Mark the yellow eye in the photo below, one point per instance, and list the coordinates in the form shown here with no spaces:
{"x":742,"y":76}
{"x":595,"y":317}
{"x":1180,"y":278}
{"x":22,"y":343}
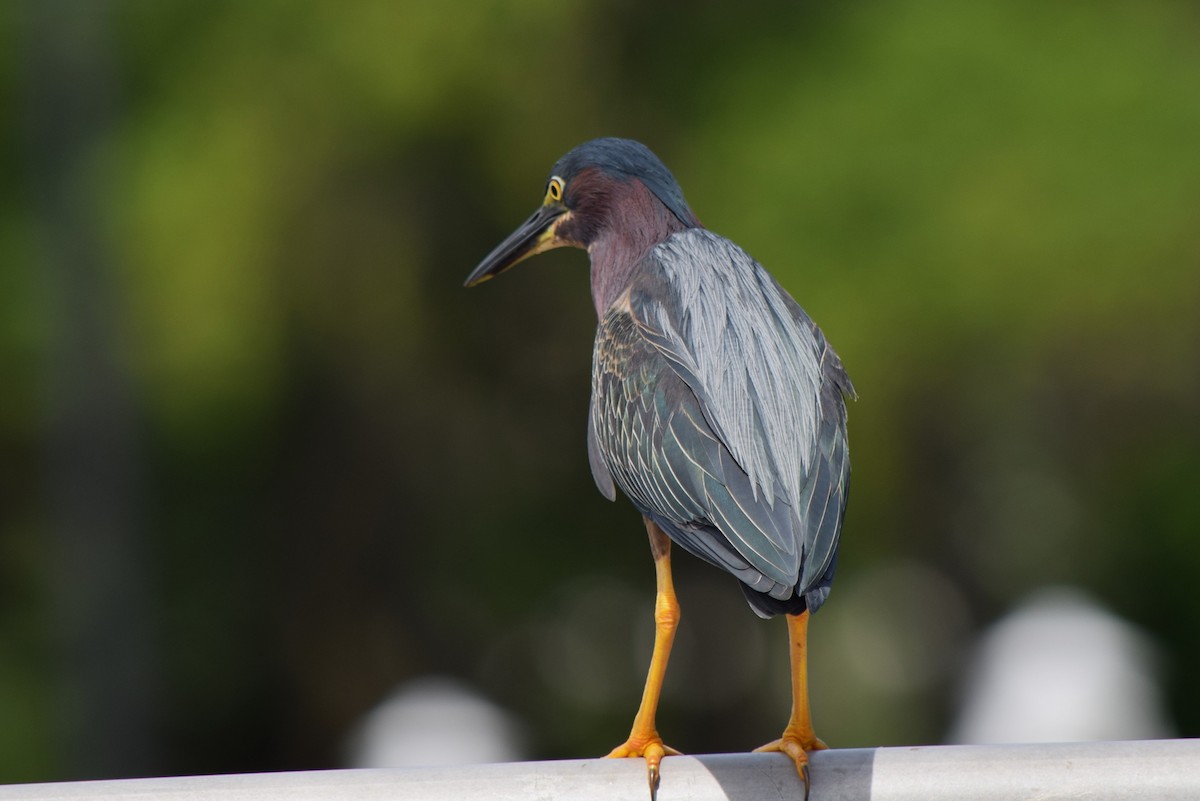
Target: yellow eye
{"x":554,"y":191}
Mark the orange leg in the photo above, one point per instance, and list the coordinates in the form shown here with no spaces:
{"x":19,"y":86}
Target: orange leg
{"x":643,"y":737}
{"x":798,"y":738}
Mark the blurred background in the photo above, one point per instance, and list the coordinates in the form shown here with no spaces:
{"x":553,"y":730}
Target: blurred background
{"x":265,"y":465}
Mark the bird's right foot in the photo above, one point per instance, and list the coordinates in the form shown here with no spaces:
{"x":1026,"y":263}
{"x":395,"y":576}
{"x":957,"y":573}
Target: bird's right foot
{"x":797,"y":748}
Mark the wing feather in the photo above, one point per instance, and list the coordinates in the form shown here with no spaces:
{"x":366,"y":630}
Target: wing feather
{"x":718,"y":409}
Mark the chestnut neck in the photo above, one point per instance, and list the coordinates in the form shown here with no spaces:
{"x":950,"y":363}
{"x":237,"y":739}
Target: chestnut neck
{"x":634,"y":221}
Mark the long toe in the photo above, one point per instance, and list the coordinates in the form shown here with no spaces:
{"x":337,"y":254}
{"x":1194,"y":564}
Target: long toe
{"x":796,"y":749}
{"x":652,"y":749}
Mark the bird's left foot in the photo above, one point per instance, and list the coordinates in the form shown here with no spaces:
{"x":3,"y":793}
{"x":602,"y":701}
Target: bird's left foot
{"x":652,"y":749}
{"x":798,"y":749}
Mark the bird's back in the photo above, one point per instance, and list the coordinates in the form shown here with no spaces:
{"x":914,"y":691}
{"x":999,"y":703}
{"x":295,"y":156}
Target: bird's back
{"x":718,"y":409}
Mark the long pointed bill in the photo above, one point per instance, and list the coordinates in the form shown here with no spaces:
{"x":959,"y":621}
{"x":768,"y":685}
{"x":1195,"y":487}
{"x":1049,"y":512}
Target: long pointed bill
{"x":537,"y":234}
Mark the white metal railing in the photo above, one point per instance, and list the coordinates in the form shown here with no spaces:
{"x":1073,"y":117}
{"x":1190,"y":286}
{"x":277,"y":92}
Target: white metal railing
{"x":1154,"y":770}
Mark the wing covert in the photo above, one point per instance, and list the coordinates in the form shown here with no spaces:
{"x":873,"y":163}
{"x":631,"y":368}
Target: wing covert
{"x":718,"y":409}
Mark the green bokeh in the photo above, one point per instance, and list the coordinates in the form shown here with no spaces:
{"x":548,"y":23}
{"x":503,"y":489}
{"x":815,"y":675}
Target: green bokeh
{"x":337,"y":470}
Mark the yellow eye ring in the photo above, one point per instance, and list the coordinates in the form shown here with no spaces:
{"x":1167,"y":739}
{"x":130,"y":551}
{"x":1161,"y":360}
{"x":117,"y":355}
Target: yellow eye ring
{"x":554,"y":190}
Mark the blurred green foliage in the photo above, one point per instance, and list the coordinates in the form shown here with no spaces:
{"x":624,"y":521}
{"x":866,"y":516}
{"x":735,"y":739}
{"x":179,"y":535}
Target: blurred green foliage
{"x":347,"y":472}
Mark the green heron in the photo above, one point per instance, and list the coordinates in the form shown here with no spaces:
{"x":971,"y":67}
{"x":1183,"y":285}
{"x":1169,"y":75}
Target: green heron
{"x":718,"y":407}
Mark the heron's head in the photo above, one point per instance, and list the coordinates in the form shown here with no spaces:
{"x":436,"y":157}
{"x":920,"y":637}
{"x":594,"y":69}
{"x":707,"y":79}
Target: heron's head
{"x":603,"y":186}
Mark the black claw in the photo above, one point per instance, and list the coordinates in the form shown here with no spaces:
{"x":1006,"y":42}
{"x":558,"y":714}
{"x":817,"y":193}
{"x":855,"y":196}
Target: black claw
{"x":807,"y":783}
{"x":653,"y":775}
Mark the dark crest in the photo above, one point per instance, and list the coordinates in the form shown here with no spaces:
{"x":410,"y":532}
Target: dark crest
{"x":625,"y":159}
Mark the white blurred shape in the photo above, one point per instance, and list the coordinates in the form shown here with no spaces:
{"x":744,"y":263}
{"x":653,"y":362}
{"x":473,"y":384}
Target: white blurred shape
{"x":1059,"y":669}
{"x":435,"y":721}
